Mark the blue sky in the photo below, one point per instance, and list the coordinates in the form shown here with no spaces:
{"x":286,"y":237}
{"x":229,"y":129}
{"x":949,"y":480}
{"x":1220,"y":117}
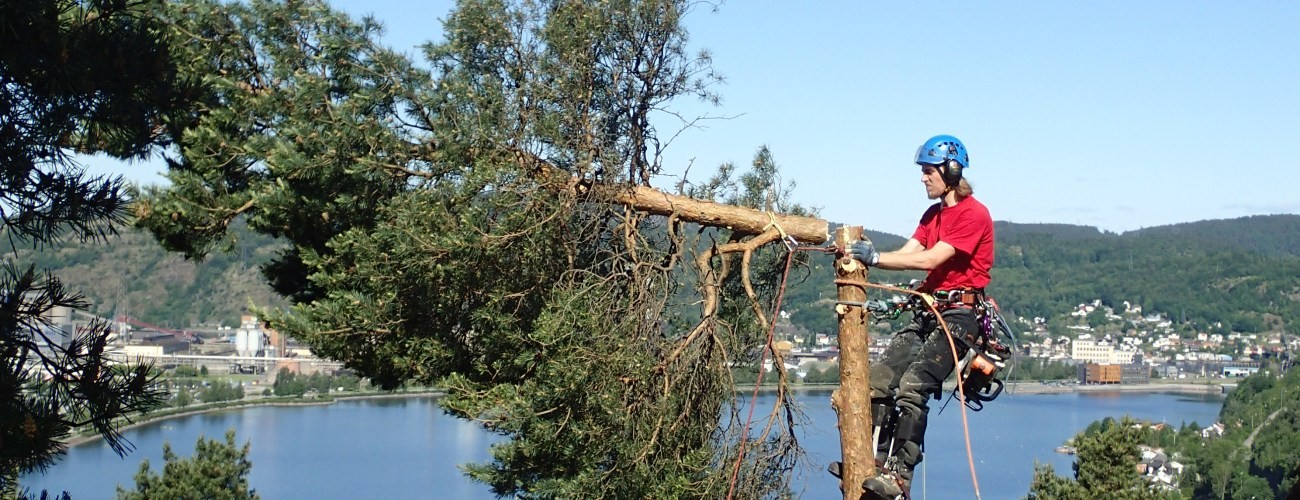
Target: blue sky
{"x":1113,"y":114}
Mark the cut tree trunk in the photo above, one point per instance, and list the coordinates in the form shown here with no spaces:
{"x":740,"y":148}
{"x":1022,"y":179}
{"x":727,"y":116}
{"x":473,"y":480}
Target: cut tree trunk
{"x":852,"y":401}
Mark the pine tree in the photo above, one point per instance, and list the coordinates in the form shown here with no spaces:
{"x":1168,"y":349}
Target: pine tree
{"x":453,"y":226}
{"x":217,"y":471}
{"x":1105,"y":467}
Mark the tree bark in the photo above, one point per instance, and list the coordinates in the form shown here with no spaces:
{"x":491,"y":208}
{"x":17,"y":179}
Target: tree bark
{"x":739,"y":219}
{"x":650,"y":200}
{"x":852,"y":401}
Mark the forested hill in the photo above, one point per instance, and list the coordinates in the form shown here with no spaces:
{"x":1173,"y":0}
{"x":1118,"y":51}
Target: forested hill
{"x":1264,"y":234}
{"x":1243,"y":273}
{"x":1063,"y":232}
{"x":1238,"y":274}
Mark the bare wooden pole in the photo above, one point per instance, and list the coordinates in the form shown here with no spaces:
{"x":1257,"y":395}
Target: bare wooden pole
{"x":852,"y":401}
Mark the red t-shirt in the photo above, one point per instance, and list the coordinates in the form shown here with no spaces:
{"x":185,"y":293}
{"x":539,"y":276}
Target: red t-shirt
{"x":968,"y":227}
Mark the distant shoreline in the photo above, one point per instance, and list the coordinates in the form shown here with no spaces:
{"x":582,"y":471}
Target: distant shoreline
{"x":1011,"y":388}
{"x":242,"y":404}
{"x":1041,"y":388}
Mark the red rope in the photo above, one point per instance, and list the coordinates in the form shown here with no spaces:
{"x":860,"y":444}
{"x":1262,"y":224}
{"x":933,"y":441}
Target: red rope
{"x":753,"y":399}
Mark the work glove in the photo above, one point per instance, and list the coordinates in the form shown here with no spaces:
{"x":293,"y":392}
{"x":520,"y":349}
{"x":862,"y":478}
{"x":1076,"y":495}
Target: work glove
{"x":865,"y":252}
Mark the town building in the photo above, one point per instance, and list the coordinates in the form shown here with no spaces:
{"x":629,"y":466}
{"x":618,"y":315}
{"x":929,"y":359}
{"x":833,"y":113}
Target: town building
{"x":1087,"y":349}
{"x":1130,"y":373}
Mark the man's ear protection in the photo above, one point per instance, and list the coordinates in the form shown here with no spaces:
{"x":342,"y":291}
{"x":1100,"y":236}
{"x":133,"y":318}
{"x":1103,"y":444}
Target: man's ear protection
{"x":951,"y":170}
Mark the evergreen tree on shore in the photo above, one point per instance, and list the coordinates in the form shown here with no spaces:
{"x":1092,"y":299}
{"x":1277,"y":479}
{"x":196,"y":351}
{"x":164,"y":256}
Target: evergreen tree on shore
{"x":217,"y":471}
{"x":1253,"y":458}
{"x":1105,"y":467}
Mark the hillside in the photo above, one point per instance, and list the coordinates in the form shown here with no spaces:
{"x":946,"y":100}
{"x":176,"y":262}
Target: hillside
{"x":1263,"y":234}
{"x":1241,"y":274}
{"x":1223,"y":274}
{"x":131,"y":274}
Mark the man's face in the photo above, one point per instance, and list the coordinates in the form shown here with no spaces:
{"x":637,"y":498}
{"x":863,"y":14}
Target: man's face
{"x":933,"y":180}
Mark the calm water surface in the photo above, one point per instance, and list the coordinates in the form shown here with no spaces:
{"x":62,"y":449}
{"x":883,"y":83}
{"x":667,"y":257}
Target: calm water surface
{"x":1007,"y":438}
{"x":407,"y":447}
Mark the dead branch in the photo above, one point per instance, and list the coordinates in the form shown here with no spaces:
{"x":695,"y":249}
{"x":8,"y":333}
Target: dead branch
{"x":738,"y":219}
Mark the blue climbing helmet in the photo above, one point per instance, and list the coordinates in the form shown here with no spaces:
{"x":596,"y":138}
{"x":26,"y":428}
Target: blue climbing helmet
{"x":946,"y":153}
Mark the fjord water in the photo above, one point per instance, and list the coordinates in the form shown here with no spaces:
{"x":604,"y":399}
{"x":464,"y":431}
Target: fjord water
{"x":408,"y":448}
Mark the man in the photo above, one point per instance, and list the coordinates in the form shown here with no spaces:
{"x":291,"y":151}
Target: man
{"x":954,"y":243}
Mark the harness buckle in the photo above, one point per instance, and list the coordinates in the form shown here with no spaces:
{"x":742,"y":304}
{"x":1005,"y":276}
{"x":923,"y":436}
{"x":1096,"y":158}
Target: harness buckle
{"x":959,"y":297}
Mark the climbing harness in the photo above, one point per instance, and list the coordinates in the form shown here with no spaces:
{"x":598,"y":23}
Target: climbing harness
{"x":925,"y":302}
{"x":987,"y":353}
{"x":891,"y":308}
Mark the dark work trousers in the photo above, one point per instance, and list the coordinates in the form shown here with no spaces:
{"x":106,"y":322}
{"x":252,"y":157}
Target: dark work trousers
{"x":912,"y":370}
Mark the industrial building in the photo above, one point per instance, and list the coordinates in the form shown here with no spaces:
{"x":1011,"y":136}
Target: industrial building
{"x":1094,"y":373}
